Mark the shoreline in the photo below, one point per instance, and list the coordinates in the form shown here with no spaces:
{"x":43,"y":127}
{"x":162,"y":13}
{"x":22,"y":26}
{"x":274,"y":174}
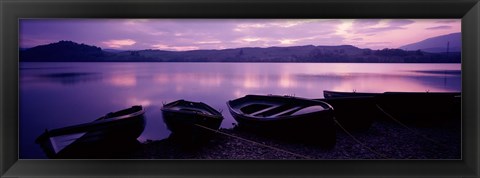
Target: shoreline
{"x":383,"y":140}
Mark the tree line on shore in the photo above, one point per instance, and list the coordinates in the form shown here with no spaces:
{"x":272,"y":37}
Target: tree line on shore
{"x":68,"y":51}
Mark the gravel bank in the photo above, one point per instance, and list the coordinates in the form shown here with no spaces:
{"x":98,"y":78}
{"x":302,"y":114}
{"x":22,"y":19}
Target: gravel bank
{"x":383,"y":140}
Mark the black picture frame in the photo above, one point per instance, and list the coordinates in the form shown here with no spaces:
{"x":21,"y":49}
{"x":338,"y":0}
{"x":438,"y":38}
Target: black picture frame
{"x":11,"y":11}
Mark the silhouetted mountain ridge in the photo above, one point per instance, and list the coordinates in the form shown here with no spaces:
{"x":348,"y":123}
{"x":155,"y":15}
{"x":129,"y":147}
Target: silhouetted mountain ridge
{"x":439,"y":44}
{"x":62,"y":51}
{"x":70,"y":51}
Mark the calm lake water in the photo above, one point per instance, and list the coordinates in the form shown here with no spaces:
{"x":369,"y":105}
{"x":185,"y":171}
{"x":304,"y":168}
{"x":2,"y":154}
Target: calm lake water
{"x":54,"y":95}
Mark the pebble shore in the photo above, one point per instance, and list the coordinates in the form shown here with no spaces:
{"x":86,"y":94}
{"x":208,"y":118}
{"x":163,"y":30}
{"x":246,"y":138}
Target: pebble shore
{"x":383,"y":140}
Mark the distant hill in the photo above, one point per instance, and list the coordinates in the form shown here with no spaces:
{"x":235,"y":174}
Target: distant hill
{"x":438,"y":44}
{"x":62,"y":51}
{"x":114,"y":50}
{"x":66,"y":51}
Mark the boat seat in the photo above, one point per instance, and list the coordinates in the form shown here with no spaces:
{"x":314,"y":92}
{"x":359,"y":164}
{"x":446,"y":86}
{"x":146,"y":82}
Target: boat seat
{"x":286,"y":111}
{"x":265,"y":110}
{"x":195,"y":110}
{"x":309,"y":109}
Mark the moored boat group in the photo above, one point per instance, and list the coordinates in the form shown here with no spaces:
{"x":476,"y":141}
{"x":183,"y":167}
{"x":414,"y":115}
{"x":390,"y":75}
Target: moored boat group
{"x":306,"y":120}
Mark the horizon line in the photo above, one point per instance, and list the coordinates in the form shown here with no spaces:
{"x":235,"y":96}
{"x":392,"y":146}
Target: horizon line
{"x":103,"y":49}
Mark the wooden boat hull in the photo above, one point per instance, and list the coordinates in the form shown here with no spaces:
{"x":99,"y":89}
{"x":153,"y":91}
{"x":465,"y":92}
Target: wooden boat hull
{"x":184,"y":118}
{"x":80,"y":141}
{"x":336,"y":94}
{"x":252,"y":112}
{"x":422,"y":109}
{"x":354,"y":113}
{"x":415,"y":108}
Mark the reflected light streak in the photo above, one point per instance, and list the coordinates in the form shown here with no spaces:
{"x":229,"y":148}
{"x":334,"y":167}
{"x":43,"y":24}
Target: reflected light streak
{"x":124,"y":80}
{"x":286,"y":81}
{"x":238,"y":93}
{"x":179,"y":89}
{"x":161,"y":78}
{"x":210,"y":80}
{"x":136,"y":101}
{"x":213,"y":80}
{"x":251,"y":81}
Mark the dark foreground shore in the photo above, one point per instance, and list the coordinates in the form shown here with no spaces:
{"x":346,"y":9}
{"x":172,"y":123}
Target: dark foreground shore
{"x":383,"y":140}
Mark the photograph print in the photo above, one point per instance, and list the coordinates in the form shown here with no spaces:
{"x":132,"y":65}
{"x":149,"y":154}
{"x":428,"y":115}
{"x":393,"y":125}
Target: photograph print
{"x":240,"y":89}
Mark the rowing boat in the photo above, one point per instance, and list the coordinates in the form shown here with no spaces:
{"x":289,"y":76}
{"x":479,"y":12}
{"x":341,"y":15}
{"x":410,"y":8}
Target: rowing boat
{"x":286,"y":116}
{"x":187,"y":120}
{"x":114,"y":128}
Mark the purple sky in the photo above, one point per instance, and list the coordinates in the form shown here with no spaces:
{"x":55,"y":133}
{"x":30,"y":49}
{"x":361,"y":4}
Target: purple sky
{"x":191,"y":34}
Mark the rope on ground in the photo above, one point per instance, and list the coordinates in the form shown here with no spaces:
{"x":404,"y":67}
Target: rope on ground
{"x":410,"y":129}
{"x":254,"y":142}
{"x":359,"y":142}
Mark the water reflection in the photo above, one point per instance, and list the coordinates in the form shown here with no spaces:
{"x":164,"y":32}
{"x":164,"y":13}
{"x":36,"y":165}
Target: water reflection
{"x":206,"y":80}
{"x":253,"y":81}
{"x":161,"y":78}
{"x":70,"y":78}
{"x":123,"y":80}
{"x":286,"y":81}
{"x":76,"y":92}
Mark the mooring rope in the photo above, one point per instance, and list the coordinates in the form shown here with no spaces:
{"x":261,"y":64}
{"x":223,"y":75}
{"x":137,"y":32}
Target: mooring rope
{"x":411,"y":130}
{"x":254,"y":142}
{"x":359,"y":142}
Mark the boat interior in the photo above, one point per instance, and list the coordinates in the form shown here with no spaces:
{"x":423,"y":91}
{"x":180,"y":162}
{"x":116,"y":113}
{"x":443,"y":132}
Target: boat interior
{"x":272,"y":110}
{"x":191,"y":107}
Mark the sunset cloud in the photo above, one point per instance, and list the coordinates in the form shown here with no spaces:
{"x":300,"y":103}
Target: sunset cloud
{"x":370,"y":26}
{"x":288,"y":41}
{"x":192,"y":34}
{"x":174,"y":48}
{"x":447,"y":21}
{"x":274,"y":23}
{"x":208,"y":42}
{"x":439,"y":27}
{"x":119,"y":43}
{"x":251,"y":39}
{"x":244,"y":27}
